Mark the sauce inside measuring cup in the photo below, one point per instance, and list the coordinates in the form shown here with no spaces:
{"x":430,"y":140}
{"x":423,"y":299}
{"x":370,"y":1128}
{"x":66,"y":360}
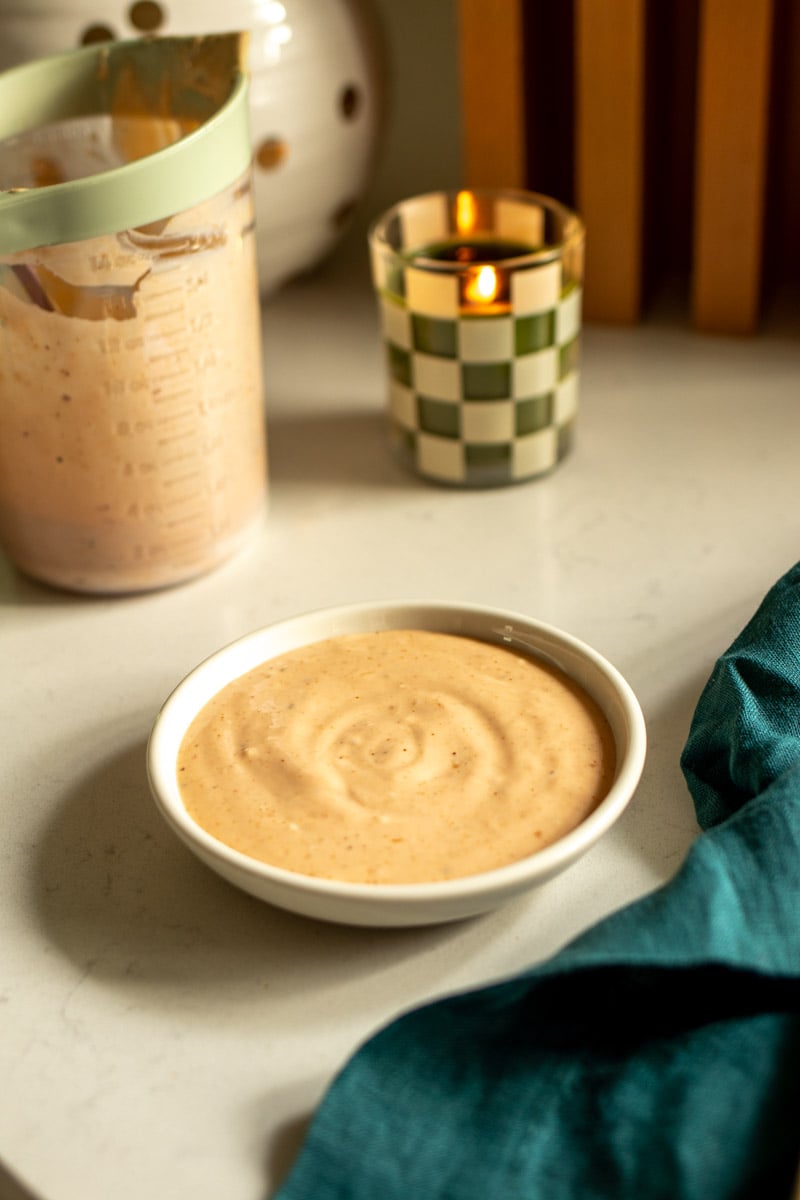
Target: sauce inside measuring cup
{"x":132,"y":441}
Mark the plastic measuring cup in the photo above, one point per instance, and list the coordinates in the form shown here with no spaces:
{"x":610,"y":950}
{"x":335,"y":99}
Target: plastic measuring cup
{"x":132,"y":431}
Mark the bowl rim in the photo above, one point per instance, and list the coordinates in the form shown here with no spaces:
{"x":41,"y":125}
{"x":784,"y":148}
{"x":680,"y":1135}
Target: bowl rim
{"x":163,"y":745}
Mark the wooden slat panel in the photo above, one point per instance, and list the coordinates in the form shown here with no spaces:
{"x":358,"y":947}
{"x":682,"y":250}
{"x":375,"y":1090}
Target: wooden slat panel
{"x":549,"y":38}
{"x":491,"y":57}
{"x":732,"y":132}
{"x":609,"y":153}
{"x":670,"y":115}
{"x":783,"y":188}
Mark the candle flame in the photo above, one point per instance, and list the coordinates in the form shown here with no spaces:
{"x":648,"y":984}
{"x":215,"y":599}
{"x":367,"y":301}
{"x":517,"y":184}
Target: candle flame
{"x":482,"y":286}
{"x":466,"y":213}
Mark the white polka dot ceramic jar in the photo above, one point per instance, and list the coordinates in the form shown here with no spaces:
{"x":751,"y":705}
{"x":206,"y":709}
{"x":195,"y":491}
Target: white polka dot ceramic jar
{"x":315,"y":99}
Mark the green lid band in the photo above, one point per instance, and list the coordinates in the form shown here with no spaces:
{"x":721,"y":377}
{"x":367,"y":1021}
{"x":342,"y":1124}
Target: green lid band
{"x":198,"y":81}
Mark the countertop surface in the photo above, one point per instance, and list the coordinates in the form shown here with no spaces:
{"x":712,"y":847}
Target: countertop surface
{"x":163,"y":1034}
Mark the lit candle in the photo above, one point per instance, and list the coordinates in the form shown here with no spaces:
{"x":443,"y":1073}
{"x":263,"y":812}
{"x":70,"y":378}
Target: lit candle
{"x":479,"y":295}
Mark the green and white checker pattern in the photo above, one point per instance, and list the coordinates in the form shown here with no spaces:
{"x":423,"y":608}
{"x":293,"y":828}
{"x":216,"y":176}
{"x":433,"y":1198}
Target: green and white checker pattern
{"x":478,"y":400}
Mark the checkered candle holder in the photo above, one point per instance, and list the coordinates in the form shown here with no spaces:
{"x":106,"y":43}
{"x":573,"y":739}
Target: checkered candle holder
{"x":480,"y":302}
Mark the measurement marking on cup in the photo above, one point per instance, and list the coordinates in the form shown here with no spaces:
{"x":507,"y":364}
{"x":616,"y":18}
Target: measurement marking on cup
{"x":159,"y":314}
{"x":165,"y":417}
{"x":179,"y":479}
{"x":170,"y":397}
{"x":178,"y":346}
{"x":174,"y":289}
{"x":177,"y":501}
{"x":183,"y":414}
{"x":173,"y":378}
{"x":186,"y":541}
{"x":167,"y":356}
{"x":190,"y":455}
{"x":176,"y":333}
{"x":176,"y":437}
{"x":176,"y":330}
{"x":189,"y":519}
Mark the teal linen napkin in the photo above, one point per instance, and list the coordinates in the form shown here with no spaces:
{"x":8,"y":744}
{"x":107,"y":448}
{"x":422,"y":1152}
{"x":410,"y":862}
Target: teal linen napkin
{"x":657,"y":1055}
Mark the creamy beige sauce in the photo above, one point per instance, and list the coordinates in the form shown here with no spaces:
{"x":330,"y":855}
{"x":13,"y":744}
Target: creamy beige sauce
{"x":396,"y":757}
{"x":132,"y":441}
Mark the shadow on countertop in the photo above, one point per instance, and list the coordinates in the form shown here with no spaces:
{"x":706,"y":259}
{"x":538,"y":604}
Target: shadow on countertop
{"x":118,"y":894}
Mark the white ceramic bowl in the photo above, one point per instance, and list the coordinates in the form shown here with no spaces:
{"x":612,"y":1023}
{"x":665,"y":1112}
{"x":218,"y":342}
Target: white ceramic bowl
{"x":397,"y":904}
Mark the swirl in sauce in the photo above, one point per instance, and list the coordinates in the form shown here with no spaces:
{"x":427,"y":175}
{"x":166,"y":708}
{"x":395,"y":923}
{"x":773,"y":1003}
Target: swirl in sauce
{"x":401,"y":756}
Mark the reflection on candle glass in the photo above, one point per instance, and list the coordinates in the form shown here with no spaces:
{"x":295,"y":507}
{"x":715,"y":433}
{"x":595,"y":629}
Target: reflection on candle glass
{"x":465,"y":212}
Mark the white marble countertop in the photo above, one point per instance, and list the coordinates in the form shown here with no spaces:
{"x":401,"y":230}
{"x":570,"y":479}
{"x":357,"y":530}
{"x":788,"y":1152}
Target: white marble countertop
{"x":164,"y":1035}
